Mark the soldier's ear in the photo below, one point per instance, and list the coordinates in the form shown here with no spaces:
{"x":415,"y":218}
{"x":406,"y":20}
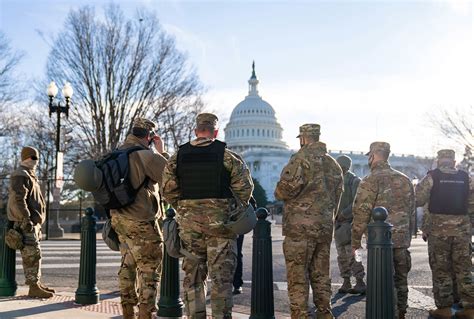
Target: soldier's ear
{"x":215,"y":133}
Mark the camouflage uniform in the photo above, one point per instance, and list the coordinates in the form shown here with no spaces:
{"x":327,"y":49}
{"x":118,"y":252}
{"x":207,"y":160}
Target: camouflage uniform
{"x":389,"y":188}
{"x":137,"y":226}
{"x":27,"y":209}
{"x":449,"y":248}
{"x":345,"y":259}
{"x":310,"y":186}
{"x":204,"y":235}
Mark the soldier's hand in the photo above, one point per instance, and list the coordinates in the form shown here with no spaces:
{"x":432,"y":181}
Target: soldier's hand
{"x":27,"y":225}
{"x":158,"y":143}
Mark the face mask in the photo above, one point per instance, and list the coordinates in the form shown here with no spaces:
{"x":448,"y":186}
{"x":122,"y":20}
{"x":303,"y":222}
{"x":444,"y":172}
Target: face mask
{"x":30,"y":163}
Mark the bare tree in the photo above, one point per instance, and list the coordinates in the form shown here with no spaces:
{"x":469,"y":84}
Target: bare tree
{"x":456,"y":125}
{"x":9,"y":59}
{"x":120,"y":69}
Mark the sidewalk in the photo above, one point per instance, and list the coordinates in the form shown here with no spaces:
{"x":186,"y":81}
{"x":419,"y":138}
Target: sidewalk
{"x":62,"y":306}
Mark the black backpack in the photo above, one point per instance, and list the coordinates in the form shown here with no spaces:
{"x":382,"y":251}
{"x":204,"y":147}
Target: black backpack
{"x":117,"y":190}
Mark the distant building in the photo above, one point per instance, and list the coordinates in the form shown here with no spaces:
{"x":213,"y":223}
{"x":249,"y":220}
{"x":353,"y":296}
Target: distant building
{"x":254,"y":132}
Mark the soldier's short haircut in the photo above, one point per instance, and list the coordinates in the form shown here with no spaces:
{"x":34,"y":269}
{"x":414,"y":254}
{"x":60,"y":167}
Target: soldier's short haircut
{"x":140,"y":132}
{"x":205,"y":128}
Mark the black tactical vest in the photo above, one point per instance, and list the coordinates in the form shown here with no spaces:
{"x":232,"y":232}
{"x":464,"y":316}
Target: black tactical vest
{"x":450,"y":193}
{"x":201,"y":172}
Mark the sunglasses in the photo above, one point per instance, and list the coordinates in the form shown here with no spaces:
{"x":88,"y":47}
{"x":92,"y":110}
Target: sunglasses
{"x":34,"y":158}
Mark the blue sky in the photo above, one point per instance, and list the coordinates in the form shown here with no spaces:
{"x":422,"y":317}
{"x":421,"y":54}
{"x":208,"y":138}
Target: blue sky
{"x":364,"y":70}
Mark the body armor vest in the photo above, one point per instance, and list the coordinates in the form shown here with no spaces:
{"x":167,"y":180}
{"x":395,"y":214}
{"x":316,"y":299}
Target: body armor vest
{"x":450,"y":193}
{"x":201,"y":172}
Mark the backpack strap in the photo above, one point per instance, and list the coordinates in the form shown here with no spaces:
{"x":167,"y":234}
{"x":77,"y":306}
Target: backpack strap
{"x":130,"y":151}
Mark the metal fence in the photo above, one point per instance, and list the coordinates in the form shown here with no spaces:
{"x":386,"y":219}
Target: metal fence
{"x":63,"y":209}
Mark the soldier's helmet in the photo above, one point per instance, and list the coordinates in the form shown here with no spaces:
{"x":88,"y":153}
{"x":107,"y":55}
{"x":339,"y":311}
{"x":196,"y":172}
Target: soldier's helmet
{"x":310,"y":130}
{"x":344,"y":161}
{"x":87,"y":176}
{"x":242,"y":220}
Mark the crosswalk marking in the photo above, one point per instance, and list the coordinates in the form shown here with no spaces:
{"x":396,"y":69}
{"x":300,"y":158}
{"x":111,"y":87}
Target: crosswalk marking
{"x":66,"y":254}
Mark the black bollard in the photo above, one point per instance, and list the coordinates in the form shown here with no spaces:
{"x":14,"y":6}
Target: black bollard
{"x":170,"y":304}
{"x":380,"y":287}
{"x":262,"y":269}
{"x":7,"y":260}
{"x":87,"y":292}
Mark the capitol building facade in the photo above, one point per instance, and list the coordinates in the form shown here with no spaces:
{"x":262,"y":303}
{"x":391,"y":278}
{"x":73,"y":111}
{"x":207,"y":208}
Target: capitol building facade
{"x":254,"y":132}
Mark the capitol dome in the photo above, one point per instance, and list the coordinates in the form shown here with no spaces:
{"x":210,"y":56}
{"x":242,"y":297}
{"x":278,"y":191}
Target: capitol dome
{"x":253,"y":123}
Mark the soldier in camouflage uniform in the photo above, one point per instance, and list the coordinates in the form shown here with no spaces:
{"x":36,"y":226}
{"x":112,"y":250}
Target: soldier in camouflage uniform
{"x":389,"y":188}
{"x":310,"y":187}
{"x":447,"y":192}
{"x":137,"y":225}
{"x":27,"y":209}
{"x":200,"y":181}
{"x":342,"y":232}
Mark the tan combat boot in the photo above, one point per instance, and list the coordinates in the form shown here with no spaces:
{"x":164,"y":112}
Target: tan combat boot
{"x":467,"y":313}
{"x":36,"y":292}
{"x":359,"y":288}
{"x":144,"y":312}
{"x":44,"y":287}
{"x":346,"y":286}
{"x":128,"y":311}
{"x":441,"y":313}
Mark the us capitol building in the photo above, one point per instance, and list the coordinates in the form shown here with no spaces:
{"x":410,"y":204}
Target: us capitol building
{"x":254,"y":132}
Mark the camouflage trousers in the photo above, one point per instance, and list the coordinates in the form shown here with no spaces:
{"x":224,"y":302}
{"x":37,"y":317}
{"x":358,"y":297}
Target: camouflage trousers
{"x":347,"y":264}
{"x":30,"y":253}
{"x":307,"y":263}
{"x":450,"y":262}
{"x":215,"y":255}
{"x":401,"y":265}
{"x":142,"y":253}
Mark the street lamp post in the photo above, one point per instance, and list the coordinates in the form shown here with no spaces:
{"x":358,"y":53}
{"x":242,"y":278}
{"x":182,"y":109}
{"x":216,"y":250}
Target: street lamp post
{"x":56,"y":230}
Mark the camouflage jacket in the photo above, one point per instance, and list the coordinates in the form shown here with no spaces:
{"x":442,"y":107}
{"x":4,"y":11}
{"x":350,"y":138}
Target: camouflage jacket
{"x":443,"y":224}
{"x":310,"y":186}
{"x":207,"y":215}
{"x":389,"y":188}
{"x":25,"y":200}
{"x":143,"y":164}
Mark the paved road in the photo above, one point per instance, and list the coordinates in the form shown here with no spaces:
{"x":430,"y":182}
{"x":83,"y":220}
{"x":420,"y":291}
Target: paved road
{"x":61,"y":268}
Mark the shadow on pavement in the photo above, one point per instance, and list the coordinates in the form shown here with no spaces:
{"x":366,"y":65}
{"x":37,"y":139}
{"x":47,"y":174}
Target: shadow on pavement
{"x":343,"y":302}
{"x":109,"y":295}
{"x":37,"y":310}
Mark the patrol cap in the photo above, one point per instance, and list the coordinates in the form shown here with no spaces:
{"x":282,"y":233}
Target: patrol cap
{"x":143,"y":123}
{"x":310,"y":130}
{"x":344,"y":161}
{"x":446,"y":154}
{"x":207,"y":119}
{"x":28,"y":152}
{"x":379,"y":146}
